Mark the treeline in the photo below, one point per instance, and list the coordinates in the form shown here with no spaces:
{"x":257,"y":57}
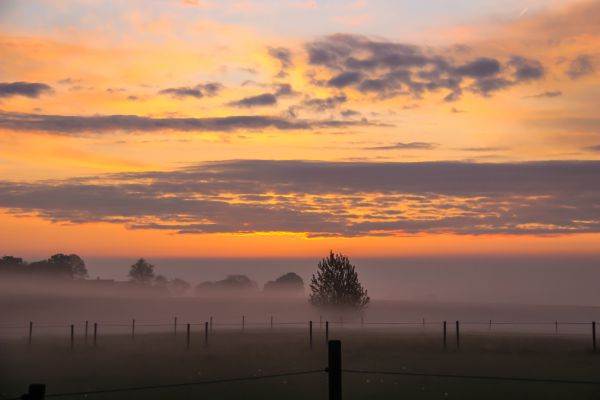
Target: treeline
{"x":64,"y":266}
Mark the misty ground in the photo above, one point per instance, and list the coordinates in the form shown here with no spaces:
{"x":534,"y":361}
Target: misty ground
{"x":119,"y":361}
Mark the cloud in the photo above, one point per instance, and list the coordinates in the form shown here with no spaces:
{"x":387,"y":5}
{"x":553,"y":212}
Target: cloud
{"x":328,"y":198}
{"x":580,"y":67}
{"x":324,"y":104}
{"x":27,"y":89}
{"x":406,"y":146}
{"x":265,"y":99}
{"x":595,"y":148}
{"x":79,"y":125}
{"x":388,"y":68}
{"x":206,"y":89}
{"x":548,"y":94}
{"x":284,"y":55}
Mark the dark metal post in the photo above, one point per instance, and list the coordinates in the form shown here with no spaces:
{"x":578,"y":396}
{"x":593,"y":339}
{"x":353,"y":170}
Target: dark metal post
{"x":310,"y":334}
{"x":72,"y":336}
{"x":30,"y":331}
{"x":132,"y":329}
{"x":86,"y":332}
{"x":327,"y":331}
{"x":594,"y":335}
{"x":206,"y":334}
{"x":334,"y":370}
{"x":457,"y":335}
{"x":95,"y":332}
{"x":444,"y":335}
{"x":556,"y":327}
{"x":188,"y":336}
{"x":36,"y":391}
{"x":423,"y":322}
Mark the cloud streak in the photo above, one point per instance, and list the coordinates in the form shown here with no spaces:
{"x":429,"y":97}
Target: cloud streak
{"x":26,"y":89}
{"x":328,"y":198}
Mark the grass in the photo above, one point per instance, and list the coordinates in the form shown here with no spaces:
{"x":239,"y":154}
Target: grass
{"x":162,"y":358}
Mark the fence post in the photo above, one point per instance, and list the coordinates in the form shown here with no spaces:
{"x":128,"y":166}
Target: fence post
{"x":423,"y":323}
{"x":594,"y":335}
{"x":175,"y":326}
{"x":72,"y":336}
{"x":206,"y":334}
{"x":457,"y":335}
{"x":188,"y":337}
{"x":132,"y":329}
{"x":490,"y":327}
{"x":334,"y":369}
{"x":37,"y":391}
{"x":243,"y":322}
{"x":30,"y":331}
{"x":310,"y":334}
{"x":444,"y":323}
{"x":95,"y":332}
{"x":327,"y":331}
{"x":85,"y":340}
{"x":271,"y":322}
{"x":556,"y":327}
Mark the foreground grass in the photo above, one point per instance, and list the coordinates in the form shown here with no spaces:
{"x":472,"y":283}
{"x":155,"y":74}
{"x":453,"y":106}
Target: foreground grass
{"x":119,"y":361}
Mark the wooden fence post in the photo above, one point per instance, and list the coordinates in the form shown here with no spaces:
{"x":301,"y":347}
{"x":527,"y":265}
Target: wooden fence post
{"x":188,"y":336}
{"x":556,"y":327}
{"x":243,"y":322}
{"x":72,"y":336}
{"x":85,"y":340}
{"x":310,"y":334}
{"x":334,"y":369}
{"x":327,"y":331}
{"x":132,"y":329}
{"x":423,"y":322}
{"x":175,"y":326}
{"x":95,"y":333}
{"x":490,"y":326}
{"x":30,"y":331}
{"x":457,"y":335}
{"x":206,"y":334}
{"x":594,"y":335}
{"x":37,"y":391}
{"x":445,"y":342}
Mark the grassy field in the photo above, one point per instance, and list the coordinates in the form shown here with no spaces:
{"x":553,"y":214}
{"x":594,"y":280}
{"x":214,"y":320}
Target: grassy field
{"x":119,"y":361}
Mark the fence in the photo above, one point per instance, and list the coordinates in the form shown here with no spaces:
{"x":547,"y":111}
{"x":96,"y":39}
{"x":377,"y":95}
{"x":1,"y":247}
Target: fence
{"x":334,"y":370}
{"x":585,"y":329}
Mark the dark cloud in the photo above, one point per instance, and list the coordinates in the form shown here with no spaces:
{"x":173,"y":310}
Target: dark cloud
{"x":323,"y":104}
{"x":392,"y":69}
{"x":593,"y":148}
{"x":581,"y":66}
{"x":328,"y":198}
{"x":345,"y":79}
{"x":549,"y":94}
{"x":265,"y":99}
{"x":405,"y":146}
{"x":79,"y":125}
{"x":204,"y":89}
{"x":284,"y":55}
{"x":27,"y":89}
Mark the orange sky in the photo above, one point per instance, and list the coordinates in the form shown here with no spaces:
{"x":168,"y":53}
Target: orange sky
{"x":527,"y":91}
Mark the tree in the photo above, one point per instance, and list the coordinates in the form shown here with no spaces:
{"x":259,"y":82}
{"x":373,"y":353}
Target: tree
{"x":72,"y":263}
{"x":289,"y":283}
{"x":12,"y":264}
{"x":142,"y":272}
{"x":160,"y":281}
{"x":336,"y":284}
{"x":179,"y":286}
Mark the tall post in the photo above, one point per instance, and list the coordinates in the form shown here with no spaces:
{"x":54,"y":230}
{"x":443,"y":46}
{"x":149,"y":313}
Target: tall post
{"x":445,"y":342}
{"x":36,"y":391}
{"x":132,"y":329}
{"x":188,"y":336}
{"x":490,"y":326}
{"x":594,"y":335}
{"x":86,"y":332}
{"x":556,"y":327}
{"x":30,"y":331}
{"x":175,"y":326}
{"x":271,"y":322}
{"x":95,"y":333}
{"x":327,"y":331}
{"x":72,"y":336}
{"x":457,"y":335}
{"x":243,"y":322}
{"x":423,"y":322}
{"x":206,"y":334}
{"x":334,"y":369}
{"x":310,"y":334}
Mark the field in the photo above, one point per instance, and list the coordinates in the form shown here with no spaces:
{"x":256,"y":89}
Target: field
{"x":162,"y":358}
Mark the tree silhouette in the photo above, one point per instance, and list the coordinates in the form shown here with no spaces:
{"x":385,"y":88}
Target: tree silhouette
{"x":142,"y":272}
{"x":336,"y":284}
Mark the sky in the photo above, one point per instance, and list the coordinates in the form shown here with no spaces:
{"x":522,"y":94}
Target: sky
{"x":203,"y":128}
